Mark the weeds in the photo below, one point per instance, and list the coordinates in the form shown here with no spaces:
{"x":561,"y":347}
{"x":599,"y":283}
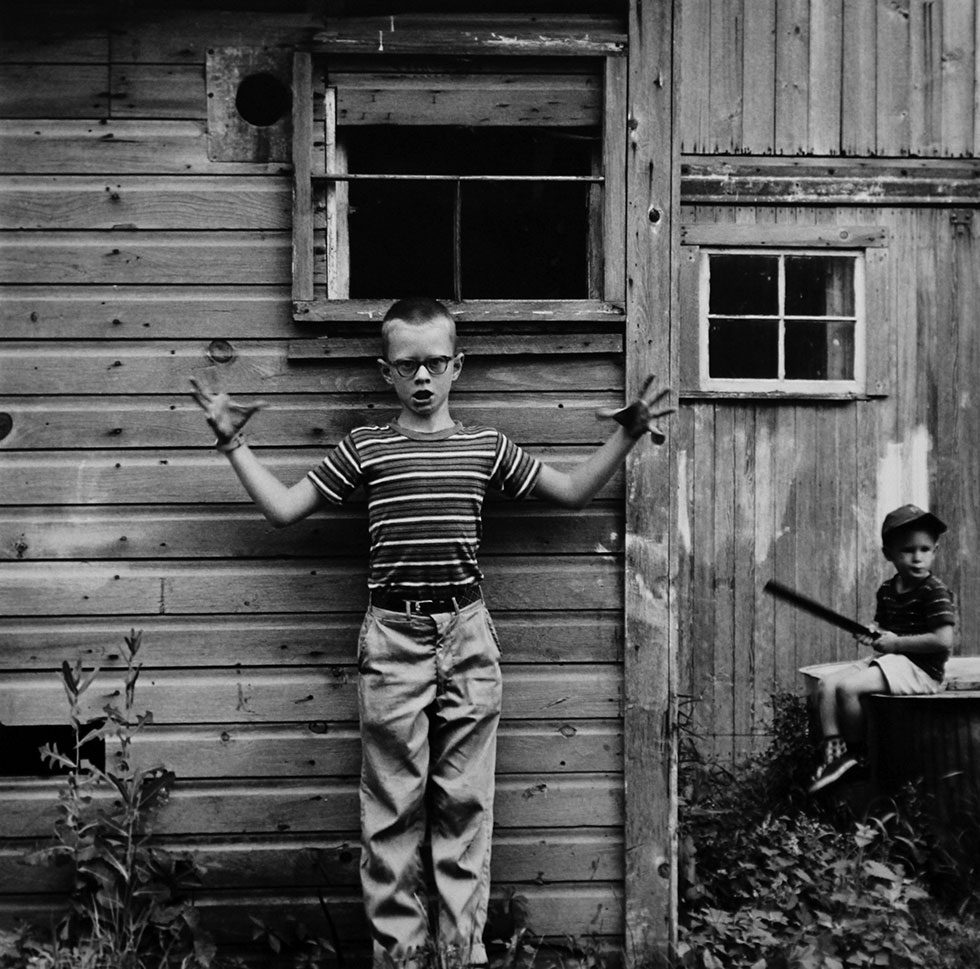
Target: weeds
{"x":779,"y":881}
{"x":128,"y":907}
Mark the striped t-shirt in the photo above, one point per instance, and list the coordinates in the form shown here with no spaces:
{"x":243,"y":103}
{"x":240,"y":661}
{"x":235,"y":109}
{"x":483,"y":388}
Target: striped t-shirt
{"x":425,"y":497}
{"x":921,"y":609}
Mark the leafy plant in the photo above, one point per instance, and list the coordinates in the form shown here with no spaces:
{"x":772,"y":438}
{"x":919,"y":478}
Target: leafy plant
{"x":128,"y":907}
{"x":775,"y":880}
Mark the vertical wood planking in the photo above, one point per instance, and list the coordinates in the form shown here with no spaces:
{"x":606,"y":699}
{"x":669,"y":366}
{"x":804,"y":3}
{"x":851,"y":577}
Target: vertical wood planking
{"x":725,"y":75}
{"x":958,"y":81}
{"x":650,"y":662}
{"x":302,"y":177}
{"x":766,"y":525}
{"x":976,"y":85}
{"x":925,"y":83}
{"x":826,"y":22}
{"x":702,"y":645}
{"x":695,"y":75}
{"x":614,"y":172}
{"x":723,"y":708}
{"x":892,"y":84}
{"x":792,"y":72}
{"x":745,"y":698}
{"x":966,"y":434}
{"x":759,"y":77}
{"x":859,"y":79}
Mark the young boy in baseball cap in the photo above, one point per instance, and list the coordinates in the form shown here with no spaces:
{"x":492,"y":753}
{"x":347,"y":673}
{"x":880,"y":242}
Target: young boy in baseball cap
{"x":915,"y":622}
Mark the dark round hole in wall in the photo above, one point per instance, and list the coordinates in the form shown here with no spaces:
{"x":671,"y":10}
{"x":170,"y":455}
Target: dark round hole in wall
{"x":262,"y":99}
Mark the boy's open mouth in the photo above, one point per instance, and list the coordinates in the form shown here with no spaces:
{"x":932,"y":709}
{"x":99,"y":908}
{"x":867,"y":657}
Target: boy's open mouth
{"x":422,"y":396}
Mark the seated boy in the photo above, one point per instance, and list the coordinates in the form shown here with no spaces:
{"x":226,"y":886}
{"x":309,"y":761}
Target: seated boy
{"x":429,"y":684}
{"x":915,"y":622}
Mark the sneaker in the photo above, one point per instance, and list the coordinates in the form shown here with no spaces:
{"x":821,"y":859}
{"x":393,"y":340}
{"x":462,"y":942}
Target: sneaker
{"x":831,"y":773}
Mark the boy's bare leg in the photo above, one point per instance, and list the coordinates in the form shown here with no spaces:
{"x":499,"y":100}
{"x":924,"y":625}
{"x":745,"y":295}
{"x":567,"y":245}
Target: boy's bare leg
{"x":850,"y":713}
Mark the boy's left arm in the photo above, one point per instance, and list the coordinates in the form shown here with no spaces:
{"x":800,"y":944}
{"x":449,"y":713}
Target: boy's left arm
{"x":576,"y":488}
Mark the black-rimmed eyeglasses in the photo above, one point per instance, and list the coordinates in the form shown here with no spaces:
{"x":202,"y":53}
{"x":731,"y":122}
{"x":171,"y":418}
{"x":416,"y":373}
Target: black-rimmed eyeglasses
{"x":409,"y":368}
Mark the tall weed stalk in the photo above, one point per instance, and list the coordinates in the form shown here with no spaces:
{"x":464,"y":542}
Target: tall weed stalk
{"x":129,"y":906}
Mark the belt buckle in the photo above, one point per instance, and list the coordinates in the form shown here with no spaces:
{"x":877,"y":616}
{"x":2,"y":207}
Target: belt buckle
{"x":414,"y":606}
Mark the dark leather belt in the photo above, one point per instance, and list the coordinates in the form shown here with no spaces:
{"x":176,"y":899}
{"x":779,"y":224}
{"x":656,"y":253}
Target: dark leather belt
{"x":459,"y":596}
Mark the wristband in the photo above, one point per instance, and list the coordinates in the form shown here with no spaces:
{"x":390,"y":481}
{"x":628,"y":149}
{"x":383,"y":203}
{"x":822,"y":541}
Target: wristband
{"x":230,"y":444}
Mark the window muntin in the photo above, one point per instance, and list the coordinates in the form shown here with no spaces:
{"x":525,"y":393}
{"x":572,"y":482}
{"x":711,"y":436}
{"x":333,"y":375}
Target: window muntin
{"x":782,"y":321}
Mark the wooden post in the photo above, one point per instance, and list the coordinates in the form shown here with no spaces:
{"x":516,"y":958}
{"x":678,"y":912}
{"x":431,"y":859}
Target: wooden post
{"x":302,"y":185}
{"x":653,"y":197}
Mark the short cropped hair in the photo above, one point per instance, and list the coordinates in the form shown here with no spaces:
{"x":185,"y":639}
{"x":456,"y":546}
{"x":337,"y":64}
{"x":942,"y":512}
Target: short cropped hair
{"x":416,"y":311}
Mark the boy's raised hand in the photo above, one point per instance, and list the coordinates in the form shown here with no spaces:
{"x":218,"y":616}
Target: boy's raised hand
{"x":641,"y":416}
{"x":225,"y":415}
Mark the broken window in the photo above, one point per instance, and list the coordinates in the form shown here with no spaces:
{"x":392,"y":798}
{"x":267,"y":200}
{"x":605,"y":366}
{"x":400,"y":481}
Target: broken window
{"x":444,"y":158}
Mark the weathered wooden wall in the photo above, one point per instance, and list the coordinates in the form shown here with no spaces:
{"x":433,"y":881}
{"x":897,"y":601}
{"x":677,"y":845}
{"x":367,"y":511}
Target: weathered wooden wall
{"x":797,"y":490}
{"x":830,"y":77}
{"x":130,"y":262}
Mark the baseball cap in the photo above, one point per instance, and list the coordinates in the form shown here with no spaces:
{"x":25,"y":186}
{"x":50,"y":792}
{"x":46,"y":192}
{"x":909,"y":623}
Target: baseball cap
{"x":911,"y":515}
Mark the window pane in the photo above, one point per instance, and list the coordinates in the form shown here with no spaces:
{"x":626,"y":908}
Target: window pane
{"x":819,"y":351}
{"x":744,"y":285}
{"x":401,"y":237}
{"x":743,"y":348}
{"x":819,"y":286}
{"x":517,"y":239}
{"x":524,"y":241}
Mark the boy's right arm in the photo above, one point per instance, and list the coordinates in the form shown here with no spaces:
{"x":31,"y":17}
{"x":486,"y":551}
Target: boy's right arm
{"x":282,"y":505}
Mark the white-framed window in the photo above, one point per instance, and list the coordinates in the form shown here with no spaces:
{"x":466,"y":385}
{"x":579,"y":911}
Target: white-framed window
{"x":784,"y":310}
{"x":782,"y":320}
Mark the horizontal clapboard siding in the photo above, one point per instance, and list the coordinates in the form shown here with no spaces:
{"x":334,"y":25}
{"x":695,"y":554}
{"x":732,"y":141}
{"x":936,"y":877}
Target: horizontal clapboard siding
{"x":296,"y":694}
{"x":285,"y":861}
{"x":175,"y":588}
{"x":218,"y":532}
{"x":596,"y":907}
{"x":102,"y":476}
{"x":279,"y":804}
{"x":133,"y":260}
{"x":527,"y":636}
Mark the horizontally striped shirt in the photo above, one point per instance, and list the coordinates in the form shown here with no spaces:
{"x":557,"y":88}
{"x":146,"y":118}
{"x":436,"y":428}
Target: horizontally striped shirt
{"x":921,"y":609}
{"x":425,"y":496}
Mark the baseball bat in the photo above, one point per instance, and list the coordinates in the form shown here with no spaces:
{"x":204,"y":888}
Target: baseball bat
{"x":817,"y":609}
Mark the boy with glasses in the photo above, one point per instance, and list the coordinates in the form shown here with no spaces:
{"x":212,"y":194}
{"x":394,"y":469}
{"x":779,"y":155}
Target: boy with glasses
{"x":429,"y":684}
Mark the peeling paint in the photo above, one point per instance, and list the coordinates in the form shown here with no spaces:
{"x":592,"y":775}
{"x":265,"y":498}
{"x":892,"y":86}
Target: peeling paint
{"x":903,"y":472}
{"x":683,"y":512}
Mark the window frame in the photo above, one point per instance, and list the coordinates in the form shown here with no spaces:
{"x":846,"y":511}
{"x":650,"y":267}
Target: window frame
{"x":318,"y":275}
{"x":873,"y":361}
{"x":783,"y":384}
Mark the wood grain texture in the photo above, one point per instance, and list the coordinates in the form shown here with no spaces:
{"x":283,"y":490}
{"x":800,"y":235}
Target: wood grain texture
{"x":66,"y":202}
{"x":824,"y":82}
{"x":295,"y":695}
{"x":758,"y":77}
{"x":227,"y":808}
{"x":649,"y":670}
{"x":215,"y":640}
{"x":98,"y":145}
{"x":546,"y":856}
{"x":502,"y":364}
{"x":106,"y":476}
{"x":215,"y":531}
{"x":179,"y":588}
{"x":53,"y":91}
{"x":169,"y":421}
{"x":570,"y":100}
{"x":591,"y":911}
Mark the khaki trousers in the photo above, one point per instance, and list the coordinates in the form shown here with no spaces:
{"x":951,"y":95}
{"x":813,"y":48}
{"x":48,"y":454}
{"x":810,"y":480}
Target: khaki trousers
{"x":429,"y":691}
